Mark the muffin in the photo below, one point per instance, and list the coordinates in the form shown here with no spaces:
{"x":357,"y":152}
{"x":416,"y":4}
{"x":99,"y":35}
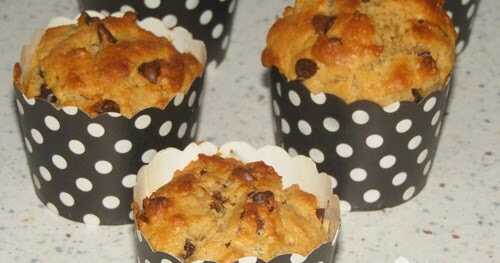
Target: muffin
{"x":209,"y":20}
{"x":106,"y":65}
{"x":96,"y":98}
{"x":361,"y":87}
{"x":220,"y":209}
{"x":377,"y":50}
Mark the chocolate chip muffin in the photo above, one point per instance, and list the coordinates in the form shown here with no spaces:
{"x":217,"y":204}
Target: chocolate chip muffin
{"x":221,"y":209}
{"x":378,"y":50}
{"x":106,"y":65}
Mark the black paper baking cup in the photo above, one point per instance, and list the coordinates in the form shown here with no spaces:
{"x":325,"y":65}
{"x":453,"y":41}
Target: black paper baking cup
{"x":84,"y":168}
{"x":294,"y":170}
{"x":324,"y":253}
{"x":379,"y":157}
{"x":463,"y":13}
{"x":210,"y":21}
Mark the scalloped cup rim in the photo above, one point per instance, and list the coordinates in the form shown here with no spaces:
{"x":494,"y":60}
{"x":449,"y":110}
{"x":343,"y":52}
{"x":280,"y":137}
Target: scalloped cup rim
{"x":152,"y":176}
{"x":437,"y":92}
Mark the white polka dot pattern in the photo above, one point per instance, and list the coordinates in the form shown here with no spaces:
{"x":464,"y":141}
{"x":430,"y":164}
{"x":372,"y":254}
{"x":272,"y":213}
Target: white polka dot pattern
{"x":319,"y":255}
{"x":463,"y":14}
{"x":85,"y":168}
{"x":376,"y":153}
{"x":84,"y":184}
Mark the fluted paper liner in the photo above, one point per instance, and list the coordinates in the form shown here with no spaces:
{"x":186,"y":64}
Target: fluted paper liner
{"x":85,"y":168}
{"x":293,"y":170}
{"x":378,"y":157}
{"x":208,"y":20}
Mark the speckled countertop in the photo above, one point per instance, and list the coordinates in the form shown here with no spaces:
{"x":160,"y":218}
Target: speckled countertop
{"x":455,"y":219}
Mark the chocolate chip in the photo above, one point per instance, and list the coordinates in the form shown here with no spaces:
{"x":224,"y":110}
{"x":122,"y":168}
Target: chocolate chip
{"x":151,"y":70}
{"x":427,"y":60}
{"x":41,"y":74}
{"x":218,"y":202}
{"x":417,"y":95}
{"x":322,"y":23}
{"x":106,"y":106}
{"x":243,"y":172}
{"x":424,"y":54}
{"x":188,"y":248}
{"x":262,"y":197}
{"x":105,"y":35}
{"x":266,"y":198}
{"x":305,"y":68}
{"x":320,"y":214}
{"x":228,"y":244}
{"x":243,"y":213}
{"x":260,"y":225}
{"x":47,"y":94}
{"x":203,"y":171}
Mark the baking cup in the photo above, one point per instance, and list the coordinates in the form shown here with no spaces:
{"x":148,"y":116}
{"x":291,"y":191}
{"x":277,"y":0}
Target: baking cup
{"x":379,"y":157}
{"x":209,"y":20}
{"x":294,"y":170}
{"x":463,"y":13}
{"x":85,"y":168}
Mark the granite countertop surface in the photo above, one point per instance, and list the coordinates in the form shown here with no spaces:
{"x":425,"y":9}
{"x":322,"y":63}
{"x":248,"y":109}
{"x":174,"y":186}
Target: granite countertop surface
{"x":455,"y":219}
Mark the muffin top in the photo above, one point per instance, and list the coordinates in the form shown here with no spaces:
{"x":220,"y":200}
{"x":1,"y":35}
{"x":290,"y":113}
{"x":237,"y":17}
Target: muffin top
{"x":106,"y":65}
{"x":221,"y":209}
{"x":378,"y":50}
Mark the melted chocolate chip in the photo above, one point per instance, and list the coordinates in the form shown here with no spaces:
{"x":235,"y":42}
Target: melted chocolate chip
{"x":243,"y":172}
{"x":243,"y":213}
{"x":262,"y":197}
{"x":305,"y":68}
{"x":320,"y":214}
{"x":266,"y":198}
{"x":424,"y":54}
{"x":228,"y":244}
{"x":427,"y":59}
{"x":260,"y":225}
{"x":105,"y":35}
{"x":218,"y":202}
{"x":322,"y":23}
{"x":47,"y":94}
{"x":107,"y":106}
{"x":151,"y":70}
{"x":188,"y":248}
{"x":417,"y":95}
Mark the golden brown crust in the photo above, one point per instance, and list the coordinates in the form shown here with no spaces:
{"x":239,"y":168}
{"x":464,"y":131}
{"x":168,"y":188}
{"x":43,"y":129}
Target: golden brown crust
{"x":221,"y":209}
{"x":95,"y":61}
{"x":378,"y":50}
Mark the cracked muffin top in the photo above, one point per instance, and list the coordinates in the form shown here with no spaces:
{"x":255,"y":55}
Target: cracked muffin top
{"x":378,"y":50}
{"x":221,"y":209}
{"x":106,"y":65}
